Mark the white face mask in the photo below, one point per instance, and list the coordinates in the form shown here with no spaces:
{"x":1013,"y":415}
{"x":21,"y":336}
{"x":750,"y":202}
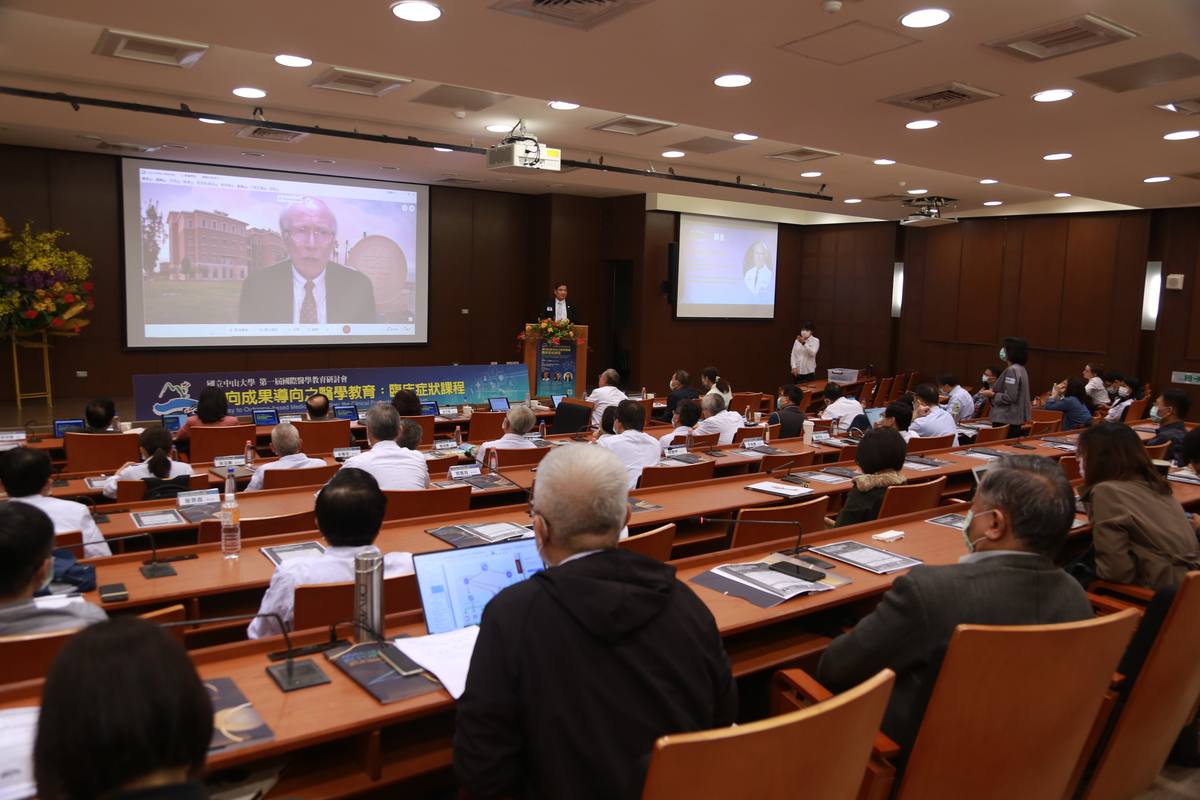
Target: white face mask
{"x":986,"y":380}
{"x":1123,"y":391}
{"x":806,"y":334}
{"x":967,"y":530}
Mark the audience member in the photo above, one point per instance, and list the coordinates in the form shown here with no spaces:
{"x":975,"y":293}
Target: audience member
{"x":97,"y":417}
{"x":615,"y":621}
{"x":840,"y":407}
{"x":687,"y":415}
{"x":605,"y":395}
{"x":717,"y":419}
{"x":804,"y":354}
{"x":158,"y":461}
{"x":407,"y":403}
{"x":714,"y":384}
{"x":212,"y":410}
{"x":1018,"y":520}
{"x":1094,"y":385}
{"x":394,"y":465}
{"x":990,"y":375}
{"x":517,"y":422}
{"x":681,"y":389}
{"x":318,"y":408}
{"x":1169,"y":411}
{"x":898,"y":417}
{"x":124,"y":708}
{"x":880,"y":456}
{"x":1071,"y":399}
{"x":1189,"y":454}
{"x":1010,"y":396}
{"x":929,"y":418}
{"x":1111,"y":378}
{"x":608,"y":421}
{"x":788,"y":414}
{"x":27,"y":474}
{"x":1140,"y":534}
{"x":959,"y":403}
{"x":26,"y":567}
{"x":285,"y":443}
{"x":349,"y":512}
{"x":633,"y":446}
{"x":1129,"y":389}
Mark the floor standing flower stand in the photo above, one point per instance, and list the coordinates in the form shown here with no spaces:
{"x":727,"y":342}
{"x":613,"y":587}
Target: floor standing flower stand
{"x":27,"y":340}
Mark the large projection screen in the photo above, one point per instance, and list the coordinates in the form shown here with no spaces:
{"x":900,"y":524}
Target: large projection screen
{"x":726,"y":268}
{"x":229,"y":257}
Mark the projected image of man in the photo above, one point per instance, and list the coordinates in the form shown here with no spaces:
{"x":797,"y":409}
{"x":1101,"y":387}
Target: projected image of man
{"x":308,"y":287}
{"x":757,"y":265}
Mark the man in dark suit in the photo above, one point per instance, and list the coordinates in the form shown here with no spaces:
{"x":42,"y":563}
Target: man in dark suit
{"x":307,"y":288}
{"x":1019,"y":519}
{"x":98,"y":415}
{"x":558,"y":307}
{"x":681,"y":389}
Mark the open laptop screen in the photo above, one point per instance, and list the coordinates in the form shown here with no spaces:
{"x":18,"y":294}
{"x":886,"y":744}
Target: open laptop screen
{"x":455,"y":585}
{"x":345,"y":412}
{"x":266,"y":416}
{"x":61,"y":425}
{"x":173,"y":422}
{"x":429,"y":408}
{"x":874,"y":415}
{"x":498,"y":403}
{"x":555,"y":399}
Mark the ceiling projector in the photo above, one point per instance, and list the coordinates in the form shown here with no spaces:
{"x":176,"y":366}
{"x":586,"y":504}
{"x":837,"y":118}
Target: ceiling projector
{"x":927,"y":212}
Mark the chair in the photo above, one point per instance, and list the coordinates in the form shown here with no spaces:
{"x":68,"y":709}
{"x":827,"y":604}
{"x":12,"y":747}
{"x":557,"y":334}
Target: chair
{"x":919,"y":444}
{"x":698,"y":439}
{"x":867,"y":395}
{"x":486,"y":426}
{"x":321,"y":605}
{"x":254,"y":527}
{"x":648,"y":404}
{"x":912,"y":497}
{"x":134,"y":491}
{"x":899,"y":384}
{"x":324,"y":436}
{"x":848,"y":454}
{"x":741,"y":400}
{"x":305,"y":476}
{"x":28,"y":656}
{"x":656,"y":543}
{"x":409,"y":503}
{"x":69,"y":539}
{"x":163,"y":616}
{"x":210,"y":442}
{"x":810,"y":515}
{"x":798,"y":461}
{"x":883,"y":394}
{"x":1038,"y":427}
{"x":669,"y":476}
{"x":520,"y":456}
{"x":426,"y":422}
{"x":754,"y":431}
{"x":1042,"y":415}
{"x":1157,"y":451}
{"x":572,"y":416}
{"x":825,"y":747}
{"x":100,"y":452}
{"x":1070,"y":465}
{"x":1135,"y":411}
{"x":995,"y":433}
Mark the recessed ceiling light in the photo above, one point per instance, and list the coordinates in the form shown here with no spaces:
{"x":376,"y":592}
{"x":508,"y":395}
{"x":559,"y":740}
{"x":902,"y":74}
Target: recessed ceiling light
{"x":293,"y":61}
{"x":922,"y":124}
{"x":852,"y":200}
{"x":732,"y":81}
{"x":255,"y":155}
{"x":993,"y":203}
{"x":1178,"y":136}
{"x":176,"y":146}
{"x":1056,"y":157}
{"x":500,"y":128}
{"x":745,"y":137}
{"x":388,"y":167}
{"x":1053,"y":95}
{"x":563,"y":105}
{"x":1062,"y":194}
{"x":925,"y":18}
{"x":416,"y":11}
{"x":323,"y":161}
{"x":443,"y":150}
{"x":556,"y":185}
{"x":918,"y":191}
{"x":673,"y":154}
{"x":810,"y":174}
{"x":212,"y":121}
{"x":883,"y":162}
{"x":1159,"y":179}
{"x":987,"y":181}
{"x":249,"y":92}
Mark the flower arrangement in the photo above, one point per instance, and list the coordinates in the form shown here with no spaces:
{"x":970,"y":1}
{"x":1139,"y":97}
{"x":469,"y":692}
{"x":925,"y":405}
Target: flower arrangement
{"x":550,"y":331}
{"x":43,"y":286}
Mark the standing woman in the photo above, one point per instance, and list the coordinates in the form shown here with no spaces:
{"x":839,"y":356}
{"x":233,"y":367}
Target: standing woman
{"x":804,"y":354}
{"x":715,"y":384}
{"x":1010,"y":393}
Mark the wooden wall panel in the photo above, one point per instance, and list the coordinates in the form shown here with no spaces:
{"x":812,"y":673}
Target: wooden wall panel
{"x":1041,"y":292}
{"x":1088,"y":278}
{"x":1175,"y":240}
{"x":939,"y":290}
{"x":980,"y":282}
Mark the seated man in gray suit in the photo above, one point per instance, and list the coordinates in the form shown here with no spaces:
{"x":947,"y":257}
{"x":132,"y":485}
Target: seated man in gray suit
{"x":1019,"y":519}
{"x":307,"y":287}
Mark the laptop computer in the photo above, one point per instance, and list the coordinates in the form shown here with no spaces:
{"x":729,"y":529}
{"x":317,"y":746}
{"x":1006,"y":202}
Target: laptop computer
{"x":498,"y":403}
{"x":874,"y":415}
{"x":345,"y":412}
{"x":555,"y":399}
{"x":61,"y":425}
{"x":429,"y":408}
{"x":455,"y":585}
{"x":173,"y":422}
{"x":265,"y":416}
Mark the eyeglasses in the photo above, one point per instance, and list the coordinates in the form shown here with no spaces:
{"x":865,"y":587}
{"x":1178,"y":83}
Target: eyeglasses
{"x":303,"y":233}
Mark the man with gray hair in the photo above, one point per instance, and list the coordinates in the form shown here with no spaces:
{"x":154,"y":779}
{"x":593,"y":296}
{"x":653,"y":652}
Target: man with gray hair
{"x":1018,"y":521}
{"x":715,"y":418}
{"x":285,"y":443}
{"x":395,"y":467}
{"x":308,"y":287}
{"x":518,"y":422}
{"x":620,"y":624}
{"x":605,"y":395}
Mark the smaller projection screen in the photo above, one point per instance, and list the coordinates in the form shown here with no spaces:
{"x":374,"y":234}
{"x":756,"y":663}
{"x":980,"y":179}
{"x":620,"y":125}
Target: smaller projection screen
{"x":726,"y":268}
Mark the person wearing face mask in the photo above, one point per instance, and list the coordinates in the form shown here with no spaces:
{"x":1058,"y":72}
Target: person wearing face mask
{"x":804,"y":354}
{"x":1010,"y":394}
{"x":1018,"y":520}
{"x":1169,"y":411}
{"x":789,"y":416}
{"x":27,"y":475}
{"x":681,"y":389}
{"x":987,"y":381}
{"x":27,"y":567}
{"x":1128,"y":389}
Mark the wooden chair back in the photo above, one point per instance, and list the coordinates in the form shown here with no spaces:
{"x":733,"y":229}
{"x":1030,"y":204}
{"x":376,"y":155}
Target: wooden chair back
{"x":912,"y":497}
{"x":829,"y":744}
{"x":810,"y":514}
{"x":899,"y":385}
{"x":305,"y":476}
{"x":740,"y":400}
{"x":1012,"y":709}
{"x":1136,"y":410}
{"x":993,"y":434}
{"x":426,"y":422}
{"x":698,"y":439}
{"x":821,"y":425}
{"x":798,"y":461}
{"x":100,"y":452}
{"x":69,"y":539}
{"x":867,"y":395}
{"x":208,"y":443}
{"x":669,"y":476}
{"x":409,"y":503}
{"x":884,"y":393}
{"x":1038,"y":427}
{"x":486,"y":426}
{"x":27,"y":656}
{"x":648,"y":404}
{"x":1042,"y":415}
{"x":1070,"y":465}
{"x":175,"y":613}
{"x":922,"y":444}
{"x":134,"y":491}
{"x":848,"y":454}
{"x":520,"y":456}
{"x":438,"y":467}
{"x":656,"y":543}
{"x":323,"y":436}
{"x":755,"y":431}
{"x":1157,"y":451}
{"x":253,"y":527}
{"x":321,"y":605}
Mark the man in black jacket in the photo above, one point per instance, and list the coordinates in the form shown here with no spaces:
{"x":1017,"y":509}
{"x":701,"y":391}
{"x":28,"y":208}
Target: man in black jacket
{"x":578,"y":670}
{"x":790,"y":417}
{"x":681,"y":389}
{"x":559,"y":307}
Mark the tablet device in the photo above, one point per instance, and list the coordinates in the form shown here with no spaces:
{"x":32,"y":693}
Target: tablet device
{"x":555,"y":399}
{"x":455,"y":585}
{"x":429,"y":408}
{"x":61,"y":425}
{"x":874,"y":415}
{"x":173,"y":422}
{"x":498,"y":403}
{"x":345,"y":412}
{"x":265,"y":416}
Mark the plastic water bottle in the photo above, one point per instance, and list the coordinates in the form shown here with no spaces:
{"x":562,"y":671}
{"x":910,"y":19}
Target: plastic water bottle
{"x":528,"y":401}
{"x":116,"y":423}
{"x":458,"y":435}
{"x":766,"y":426}
{"x":690,"y":441}
{"x":492,"y":458}
{"x":231,"y":521}
{"x":542,"y":429}
{"x":249,"y":453}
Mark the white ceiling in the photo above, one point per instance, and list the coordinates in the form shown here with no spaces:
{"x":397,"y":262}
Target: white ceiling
{"x":658,"y":60}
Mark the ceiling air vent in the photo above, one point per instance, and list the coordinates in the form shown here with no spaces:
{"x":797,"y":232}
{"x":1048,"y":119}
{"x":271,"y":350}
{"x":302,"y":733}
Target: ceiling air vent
{"x":263,"y":133}
{"x":707,"y":145}
{"x":632,"y":126}
{"x":937,"y":98}
{"x":1188,"y":107}
{"x":151,"y":49}
{"x":355,"y":81}
{"x":457,"y":181}
{"x":581,"y":14}
{"x":126,"y":147}
{"x":1063,"y":38}
{"x":803,"y":154}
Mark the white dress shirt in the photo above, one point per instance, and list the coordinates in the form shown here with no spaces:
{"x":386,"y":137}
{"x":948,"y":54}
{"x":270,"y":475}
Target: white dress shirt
{"x":844,"y":410}
{"x":560,"y":310}
{"x":1096,"y":391}
{"x":298,"y":282}
{"x":138,"y":472}
{"x":603,"y":397}
{"x":294,"y":461}
{"x":758,"y":279}
{"x":1118,"y":408}
{"x":726,"y":396}
{"x":636,"y":449}
{"x":667,"y":440}
{"x":67,"y":515}
{"x":804,"y":356}
{"x":726,"y":423}
{"x":937,"y":422}
{"x":960,"y":404}
{"x":335,"y":565}
{"x":509,"y":441}
{"x":393,"y":466}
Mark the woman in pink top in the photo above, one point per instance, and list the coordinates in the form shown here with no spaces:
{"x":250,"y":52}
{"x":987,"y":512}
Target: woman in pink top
{"x":212,"y":410}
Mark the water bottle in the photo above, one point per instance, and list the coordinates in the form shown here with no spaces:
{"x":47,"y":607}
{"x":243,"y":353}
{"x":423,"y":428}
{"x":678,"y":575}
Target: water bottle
{"x":368,"y":595}
{"x":116,"y":423}
{"x":458,"y":435}
{"x":249,"y":453}
{"x":542,"y":429}
{"x":492,"y":458}
{"x":690,"y":441}
{"x":766,"y":426}
{"x":746,"y":416}
{"x":528,"y":401}
{"x":231,"y":524}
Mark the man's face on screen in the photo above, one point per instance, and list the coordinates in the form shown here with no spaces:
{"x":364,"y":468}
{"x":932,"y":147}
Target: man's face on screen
{"x":308,"y":237}
{"x":760,"y":255}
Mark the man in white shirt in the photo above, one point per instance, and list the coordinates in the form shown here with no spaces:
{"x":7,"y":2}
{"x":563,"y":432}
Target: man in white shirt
{"x":605,"y":395}
{"x":26,"y":474}
{"x":285,"y":441}
{"x":349,"y":512}
{"x":959,"y":402}
{"x":687,"y":414}
{"x":395,"y":466}
{"x":635,"y":448}
{"x":898,"y":416}
{"x":929,"y":418}
{"x":758,"y":276}
{"x":716,"y":419}
{"x":840,"y":406}
{"x":518,"y":422}
{"x":804,"y":354}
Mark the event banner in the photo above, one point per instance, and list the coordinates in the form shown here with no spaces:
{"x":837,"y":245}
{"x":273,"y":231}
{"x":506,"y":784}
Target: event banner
{"x":556,"y":368}
{"x":286,"y":390}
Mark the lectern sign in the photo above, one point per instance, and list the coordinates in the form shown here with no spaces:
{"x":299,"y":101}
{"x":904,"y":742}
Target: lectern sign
{"x":556,"y":369}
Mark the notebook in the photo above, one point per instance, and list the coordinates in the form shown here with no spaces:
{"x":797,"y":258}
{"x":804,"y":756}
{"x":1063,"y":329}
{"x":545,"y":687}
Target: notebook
{"x":455,"y":585}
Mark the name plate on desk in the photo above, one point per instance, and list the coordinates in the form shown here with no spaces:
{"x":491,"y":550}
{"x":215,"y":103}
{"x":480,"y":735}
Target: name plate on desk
{"x":820,"y":437}
{"x":229,"y":461}
{"x":200,"y":497}
{"x":292,"y":418}
{"x":12,"y":436}
{"x":671,"y":452}
{"x":342,"y":453}
{"x":465,"y":471}
{"x":750,"y":444}
{"x":532,"y":437}
{"x":445,"y":444}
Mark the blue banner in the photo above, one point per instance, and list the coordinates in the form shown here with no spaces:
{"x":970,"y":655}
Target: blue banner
{"x":287,"y":390}
{"x":556,"y":368}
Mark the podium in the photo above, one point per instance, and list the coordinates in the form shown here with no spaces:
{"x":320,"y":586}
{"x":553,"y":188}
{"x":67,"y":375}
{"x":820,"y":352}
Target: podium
{"x":567,"y":358}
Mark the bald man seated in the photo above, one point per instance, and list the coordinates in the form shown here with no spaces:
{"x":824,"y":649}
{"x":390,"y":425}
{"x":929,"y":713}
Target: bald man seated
{"x":285,"y":443}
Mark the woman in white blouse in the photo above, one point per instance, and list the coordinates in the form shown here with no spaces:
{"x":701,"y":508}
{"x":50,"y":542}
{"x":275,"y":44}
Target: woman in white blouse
{"x":715,"y":384}
{"x":157,"y":451}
